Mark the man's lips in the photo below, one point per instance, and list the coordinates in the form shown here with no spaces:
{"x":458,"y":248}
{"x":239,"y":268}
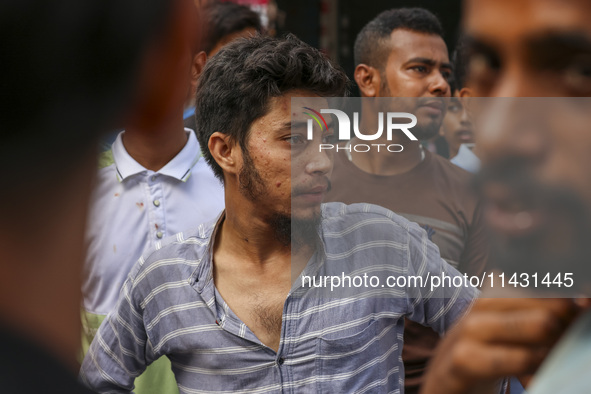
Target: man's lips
{"x":313,"y":190}
{"x":465,"y":135}
{"x":313,"y":195}
{"x":433,"y":106}
{"x":507,"y":214}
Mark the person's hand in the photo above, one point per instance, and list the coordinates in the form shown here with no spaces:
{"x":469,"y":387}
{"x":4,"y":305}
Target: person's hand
{"x":498,"y":337}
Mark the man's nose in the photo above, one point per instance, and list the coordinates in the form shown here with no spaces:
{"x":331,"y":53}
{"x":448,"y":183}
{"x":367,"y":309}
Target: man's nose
{"x":517,"y":80}
{"x":512,"y":127}
{"x":320,"y":160}
{"x":465,"y":117}
{"x":439,"y":85}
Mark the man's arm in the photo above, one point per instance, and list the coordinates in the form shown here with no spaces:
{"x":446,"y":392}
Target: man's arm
{"x":121,"y":350}
{"x":436,"y":300}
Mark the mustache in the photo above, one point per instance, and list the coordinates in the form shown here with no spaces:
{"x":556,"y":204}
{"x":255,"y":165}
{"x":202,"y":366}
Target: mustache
{"x":324,"y":182}
{"x":568,"y":220}
{"x":420,"y":101}
{"x":517,"y":175}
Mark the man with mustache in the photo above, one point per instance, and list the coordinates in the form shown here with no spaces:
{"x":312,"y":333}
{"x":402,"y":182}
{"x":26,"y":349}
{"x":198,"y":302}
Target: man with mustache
{"x":231,"y":303}
{"x":535,"y":179}
{"x":403,"y":66}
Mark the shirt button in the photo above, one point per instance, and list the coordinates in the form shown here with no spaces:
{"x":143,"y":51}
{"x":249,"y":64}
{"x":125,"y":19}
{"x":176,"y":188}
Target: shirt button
{"x":281,"y":361}
{"x":153,"y":178}
{"x":157,"y":203}
{"x":159,"y":234}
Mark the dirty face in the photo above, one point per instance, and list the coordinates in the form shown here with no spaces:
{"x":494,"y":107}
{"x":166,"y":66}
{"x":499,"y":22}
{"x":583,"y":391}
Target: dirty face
{"x":282,"y":169}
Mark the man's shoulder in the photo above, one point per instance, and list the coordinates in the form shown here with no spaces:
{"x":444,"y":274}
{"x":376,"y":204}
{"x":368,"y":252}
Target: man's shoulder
{"x":174,"y":258}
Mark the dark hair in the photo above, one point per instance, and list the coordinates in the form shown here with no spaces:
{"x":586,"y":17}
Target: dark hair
{"x":238,"y":82}
{"x":67,"y":70}
{"x":460,"y":62}
{"x":223,"y":19}
{"x":372,"y":42}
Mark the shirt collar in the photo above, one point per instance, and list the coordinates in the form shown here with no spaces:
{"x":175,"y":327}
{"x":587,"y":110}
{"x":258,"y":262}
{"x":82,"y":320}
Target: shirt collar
{"x":202,"y":278}
{"x":204,"y":273}
{"x":179,"y":167}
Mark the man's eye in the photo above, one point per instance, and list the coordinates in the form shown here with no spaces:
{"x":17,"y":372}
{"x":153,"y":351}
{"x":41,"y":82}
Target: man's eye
{"x":420,"y":69}
{"x":454,"y":108}
{"x":446,"y":74}
{"x":329,"y":139}
{"x":295,"y":140}
{"x":578,"y":75}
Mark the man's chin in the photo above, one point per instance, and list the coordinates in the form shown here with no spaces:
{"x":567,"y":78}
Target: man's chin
{"x":427,"y":128}
{"x":560,"y":245}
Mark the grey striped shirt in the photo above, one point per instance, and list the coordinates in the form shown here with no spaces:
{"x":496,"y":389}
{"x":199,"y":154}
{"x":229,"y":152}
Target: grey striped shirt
{"x":348,"y":340}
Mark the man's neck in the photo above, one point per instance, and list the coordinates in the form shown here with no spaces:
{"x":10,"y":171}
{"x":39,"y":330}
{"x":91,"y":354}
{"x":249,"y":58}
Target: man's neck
{"x":154,"y":148}
{"x":385,"y":162}
{"x":251,"y":239}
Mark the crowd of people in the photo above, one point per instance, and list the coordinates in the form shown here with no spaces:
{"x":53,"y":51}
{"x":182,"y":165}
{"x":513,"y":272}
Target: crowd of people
{"x":176,"y":252}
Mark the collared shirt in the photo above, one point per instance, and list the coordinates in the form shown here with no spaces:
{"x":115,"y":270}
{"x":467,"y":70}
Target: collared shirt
{"x":346,"y":341}
{"x":466,"y":159}
{"x":133,"y":208}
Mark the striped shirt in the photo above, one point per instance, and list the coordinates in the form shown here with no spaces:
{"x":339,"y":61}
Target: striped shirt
{"x":343,"y":341}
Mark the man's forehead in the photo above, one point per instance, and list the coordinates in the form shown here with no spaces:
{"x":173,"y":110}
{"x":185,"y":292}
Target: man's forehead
{"x":300,"y":108}
{"x":407,"y":44}
{"x":524,"y":19}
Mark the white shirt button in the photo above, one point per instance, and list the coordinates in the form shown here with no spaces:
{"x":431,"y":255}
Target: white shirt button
{"x":157,"y":203}
{"x":153,"y":178}
{"x":159,"y":234}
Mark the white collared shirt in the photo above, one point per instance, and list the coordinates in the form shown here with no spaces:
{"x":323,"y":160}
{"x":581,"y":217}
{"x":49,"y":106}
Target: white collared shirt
{"x":133,"y":208}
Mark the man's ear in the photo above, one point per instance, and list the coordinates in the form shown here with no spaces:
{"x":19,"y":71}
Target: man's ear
{"x":466,"y":95}
{"x":225,"y":152}
{"x":197,"y":66}
{"x":466,"y":92}
{"x":368,"y":79}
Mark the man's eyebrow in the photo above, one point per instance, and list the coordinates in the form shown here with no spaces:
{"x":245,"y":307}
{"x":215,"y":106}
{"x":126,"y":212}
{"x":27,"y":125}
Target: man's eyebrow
{"x":428,"y":62}
{"x":557,"y":48}
{"x":298,"y":124}
{"x":294,"y":125}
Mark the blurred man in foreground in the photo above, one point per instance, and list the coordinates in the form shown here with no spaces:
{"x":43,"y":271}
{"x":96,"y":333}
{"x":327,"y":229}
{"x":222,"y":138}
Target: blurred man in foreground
{"x":93,"y":65}
{"x":535,"y":166}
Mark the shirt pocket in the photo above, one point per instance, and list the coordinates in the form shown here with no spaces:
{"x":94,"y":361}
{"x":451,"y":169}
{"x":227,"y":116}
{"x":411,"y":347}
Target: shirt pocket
{"x":348,"y":364}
